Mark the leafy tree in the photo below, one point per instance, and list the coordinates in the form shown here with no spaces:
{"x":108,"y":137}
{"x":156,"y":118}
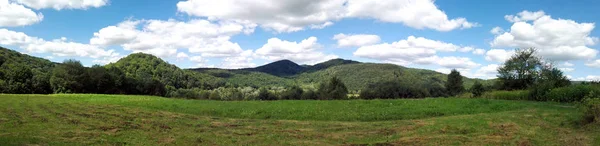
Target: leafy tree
{"x":520,"y":71}
{"x":454,"y":84}
{"x":393,"y":90}
{"x":333,"y":89}
{"x":477,"y":89}
{"x":264,"y":94}
{"x":68,"y":77}
{"x":309,"y":95}
{"x":18,"y":78}
{"x":100,"y":80}
{"x":293,"y":93}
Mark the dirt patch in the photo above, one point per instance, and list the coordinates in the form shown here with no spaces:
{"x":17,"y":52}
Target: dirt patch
{"x":504,"y":129}
{"x":221,"y":124}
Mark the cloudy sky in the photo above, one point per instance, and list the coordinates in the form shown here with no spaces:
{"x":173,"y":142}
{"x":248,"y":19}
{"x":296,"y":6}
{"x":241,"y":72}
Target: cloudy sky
{"x":473,"y":36}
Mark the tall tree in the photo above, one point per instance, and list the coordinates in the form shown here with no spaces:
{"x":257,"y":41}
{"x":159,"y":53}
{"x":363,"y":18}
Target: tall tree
{"x":520,"y":71}
{"x":333,"y":89}
{"x":454,"y":84}
{"x":477,"y":89}
{"x":69,"y":77}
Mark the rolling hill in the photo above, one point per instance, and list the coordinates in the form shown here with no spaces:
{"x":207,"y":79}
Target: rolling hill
{"x":356,"y":75}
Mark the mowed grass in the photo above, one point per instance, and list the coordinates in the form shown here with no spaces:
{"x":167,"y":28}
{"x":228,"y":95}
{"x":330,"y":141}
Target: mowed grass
{"x":144,"y":120}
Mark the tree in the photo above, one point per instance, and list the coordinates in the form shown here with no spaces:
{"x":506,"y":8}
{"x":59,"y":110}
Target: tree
{"x":68,"y":77}
{"x":18,"y":78}
{"x":454,"y":84}
{"x":333,"y":89}
{"x":100,"y":80}
{"x":293,"y":93}
{"x":477,"y":89}
{"x":264,"y":94}
{"x":520,"y":71}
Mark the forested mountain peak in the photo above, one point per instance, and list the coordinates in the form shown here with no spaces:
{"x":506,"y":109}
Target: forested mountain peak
{"x":330,"y":63}
{"x":279,"y":68}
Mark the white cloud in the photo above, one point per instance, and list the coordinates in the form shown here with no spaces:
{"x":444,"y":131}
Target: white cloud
{"x":588,"y":78}
{"x":182,"y":55}
{"x":58,"y":47}
{"x":456,"y":62}
{"x":244,"y":60}
{"x":497,"y":30}
{"x":13,"y":14}
{"x":418,"y":14}
{"x":479,"y":51}
{"x":567,"y":69}
{"x":594,"y":63}
{"x":294,"y":15}
{"x":164,"y":38}
{"x":556,"y":39}
{"x":498,"y":55}
{"x":356,"y":40}
{"x":63,"y":4}
{"x":304,"y":52}
{"x":417,"y":50}
{"x":568,"y":64}
{"x":525,"y":16}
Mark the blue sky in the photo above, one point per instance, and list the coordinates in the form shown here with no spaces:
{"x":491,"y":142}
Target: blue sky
{"x":471,"y":35}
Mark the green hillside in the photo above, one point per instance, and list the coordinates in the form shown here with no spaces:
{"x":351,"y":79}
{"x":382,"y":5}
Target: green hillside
{"x":354,"y":74}
{"x":21,"y":73}
{"x":140,"y":66}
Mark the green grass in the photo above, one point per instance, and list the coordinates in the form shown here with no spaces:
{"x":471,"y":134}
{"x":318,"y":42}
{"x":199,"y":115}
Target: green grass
{"x":144,"y":120}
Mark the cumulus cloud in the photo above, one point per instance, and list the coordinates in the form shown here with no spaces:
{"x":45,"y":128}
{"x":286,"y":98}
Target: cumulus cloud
{"x":63,"y":4}
{"x":164,"y":38}
{"x":456,"y":62}
{"x":303,"y":52}
{"x":356,"y":40}
{"x":479,"y":51}
{"x":588,"y":78}
{"x":13,"y":14}
{"x":594,"y":63}
{"x":417,"y":50}
{"x":556,"y":39}
{"x":498,"y":55}
{"x":244,"y":60}
{"x":497,"y":30}
{"x":294,"y":15}
{"x":58,"y":47}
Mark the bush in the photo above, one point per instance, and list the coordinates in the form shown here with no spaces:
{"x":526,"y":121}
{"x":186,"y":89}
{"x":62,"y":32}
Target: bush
{"x":391,"y":90}
{"x":333,"y":89}
{"x":570,"y":93}
{"x":507,"y":95}
{"x":310,"y":95}
{"x":477,"y":89}
{"x":293,"y":93}
{"x":591,"y":108}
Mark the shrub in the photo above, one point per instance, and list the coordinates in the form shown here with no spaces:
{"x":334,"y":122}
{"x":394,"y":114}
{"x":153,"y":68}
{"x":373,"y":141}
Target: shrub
{"x":391,"y":90}
{"x":507,"y":95}
{"x":591,"y":108}
{"x":293,"y":93}
{"x":333,"y":89}
{"x":477,"y":89}
{"x":310,"y":95}
{"x":570,"y":93}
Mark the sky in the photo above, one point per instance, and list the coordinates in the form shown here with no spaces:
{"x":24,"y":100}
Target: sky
{"x":473,"y":36}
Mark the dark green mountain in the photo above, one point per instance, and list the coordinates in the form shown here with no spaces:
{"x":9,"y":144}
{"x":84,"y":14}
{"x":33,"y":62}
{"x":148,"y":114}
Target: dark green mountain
{"x":328,"y":64}
{"x":279,"y":68}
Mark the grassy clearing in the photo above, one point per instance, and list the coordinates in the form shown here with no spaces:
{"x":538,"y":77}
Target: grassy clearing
{"x":142,"y":120}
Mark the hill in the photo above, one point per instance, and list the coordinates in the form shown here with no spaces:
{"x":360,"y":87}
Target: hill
{"x":355,"y":75}
{"x":279,"y":68}
{"x":140,"y":66}
{"x":21,"y":73}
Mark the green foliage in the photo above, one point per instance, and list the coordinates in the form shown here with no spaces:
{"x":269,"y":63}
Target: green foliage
{"x":591,"y":107}
{"x":520,"y":71}
{"x":293,"y":93}
{"x":454,"y":84}
{"x":573,"y":93}
{"x":507,"y":95}
{"x":392,"y":90}
{"x":264,"y":94}
{"x":69,"y":77}
{"x":333,"y":89}
{"x":310,"y":95}
{"x":20,"y":73}
{"x":279,"y":68}
{"x":477,"y":89}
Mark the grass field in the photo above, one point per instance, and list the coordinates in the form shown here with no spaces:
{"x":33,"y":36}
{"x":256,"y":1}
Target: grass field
{"x":144,"y":120}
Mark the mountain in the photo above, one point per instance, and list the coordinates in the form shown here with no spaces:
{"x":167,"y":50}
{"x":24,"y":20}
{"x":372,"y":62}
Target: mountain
{"x":355,"y":75}
{"x":279,"y":68}
{"x":328,"y":64}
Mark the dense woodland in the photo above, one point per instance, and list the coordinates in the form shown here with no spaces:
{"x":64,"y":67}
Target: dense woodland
{"x":144,"y":74}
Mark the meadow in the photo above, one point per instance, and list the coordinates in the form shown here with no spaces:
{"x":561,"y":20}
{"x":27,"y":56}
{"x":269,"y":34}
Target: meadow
{"x":92,"y":119}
